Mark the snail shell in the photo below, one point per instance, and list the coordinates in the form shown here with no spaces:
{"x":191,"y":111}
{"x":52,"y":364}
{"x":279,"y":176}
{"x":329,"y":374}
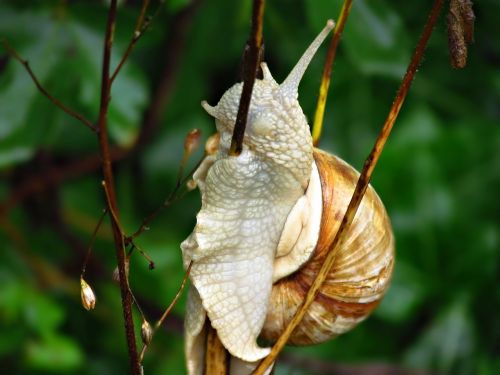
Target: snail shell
{"x":361,"y":272}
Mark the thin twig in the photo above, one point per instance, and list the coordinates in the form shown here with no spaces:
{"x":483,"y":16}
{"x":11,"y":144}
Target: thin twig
{"x":327,"y":70}
{"x":174,"y":46}
{"x":12,"y":52}
{"x":250,"y":68}
{"x":361,"y":186}
{"x":92,"y":239}
{"x":169,"y":308}
{"x":55,"y":175}
{"x":114,"y":214}
{"x":107,"y":170}
{"x":143,"y":253}
{"x":140,"y":27}
{"x":168,"y":201}
{"x":176,"y":298}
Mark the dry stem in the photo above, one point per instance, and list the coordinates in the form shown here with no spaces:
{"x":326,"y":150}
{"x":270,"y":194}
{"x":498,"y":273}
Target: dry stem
{"x":139,"y":29}
{"x":250,"y":68}
{"x":327,"y":70}
{"x":216,"y":357}
{"x":168,"y":309}
{"x":12,"y":52}
{"x":107,"y":171}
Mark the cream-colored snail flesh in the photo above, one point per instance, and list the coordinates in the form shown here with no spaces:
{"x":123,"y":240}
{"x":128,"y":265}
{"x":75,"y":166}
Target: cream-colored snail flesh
{"x":267,"y":220}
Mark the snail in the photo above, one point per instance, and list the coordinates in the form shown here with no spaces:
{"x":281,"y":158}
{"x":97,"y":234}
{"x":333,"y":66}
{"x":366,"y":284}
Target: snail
{"x":267,"y":219}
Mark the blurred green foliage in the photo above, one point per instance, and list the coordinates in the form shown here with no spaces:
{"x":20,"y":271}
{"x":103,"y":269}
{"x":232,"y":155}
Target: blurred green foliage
{"x":439,"y":176}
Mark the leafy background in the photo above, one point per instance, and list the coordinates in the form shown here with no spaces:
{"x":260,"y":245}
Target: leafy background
{"x":439,"y":176}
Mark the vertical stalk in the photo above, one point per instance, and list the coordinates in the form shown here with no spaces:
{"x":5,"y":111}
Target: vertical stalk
{"x":107,"y":171}
{"x":216,"y":357}
{"x":251,"y":62}
{"x":327,"y":71}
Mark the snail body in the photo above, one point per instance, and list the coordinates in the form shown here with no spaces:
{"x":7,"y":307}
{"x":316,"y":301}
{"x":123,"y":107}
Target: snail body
{"x":267,"y":219}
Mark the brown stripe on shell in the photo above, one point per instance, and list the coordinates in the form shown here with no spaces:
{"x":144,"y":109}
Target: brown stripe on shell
{"x":361,"y":272}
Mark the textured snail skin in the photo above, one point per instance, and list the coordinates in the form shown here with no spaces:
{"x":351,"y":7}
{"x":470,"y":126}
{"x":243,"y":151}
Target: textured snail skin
{"x":245,"y":202}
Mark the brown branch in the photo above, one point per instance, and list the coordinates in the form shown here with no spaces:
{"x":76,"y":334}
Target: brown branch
{"x":139,"y":29}
{"x":92,"y":239}
{"x":166,"y":313}
{"x":107,"y":171}
{"x":327,"y":71}
{"x":359,"y":191}
{"x":216,"y":356}
{"x":55,"y":175}
{"x":251,"y":62}
{"x":170,"y":199}
{"x":176,"y":298}
{"x":12,"y":52}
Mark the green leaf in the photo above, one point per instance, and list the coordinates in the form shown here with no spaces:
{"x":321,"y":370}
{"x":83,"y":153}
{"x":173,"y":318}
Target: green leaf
{"x":38,"y":44}
{"x":59,"y":46}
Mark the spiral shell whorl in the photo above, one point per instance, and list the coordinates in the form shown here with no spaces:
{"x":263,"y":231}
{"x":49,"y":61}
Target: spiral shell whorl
{"x":360,"y":274}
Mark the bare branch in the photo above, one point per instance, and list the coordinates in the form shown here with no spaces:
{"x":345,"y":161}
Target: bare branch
{"x":140,"y":27}
{"x":92,"y":239}
{"x":169,"y":309}
{"x":327,"y":70}
{"x":55,"y":175}
{"x":251,"y":62}
{"x":126,"y":295}
{"x":12,"y":52}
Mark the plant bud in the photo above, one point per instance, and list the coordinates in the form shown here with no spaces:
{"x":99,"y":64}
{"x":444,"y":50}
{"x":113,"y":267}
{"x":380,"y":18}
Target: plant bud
{"x":212,"y":144}
{"x":192,"y":141}
{"x":116,"y":272}
{"x":87,"y":294}
{"x":191,"y":184}
{"x":146,"y":332}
